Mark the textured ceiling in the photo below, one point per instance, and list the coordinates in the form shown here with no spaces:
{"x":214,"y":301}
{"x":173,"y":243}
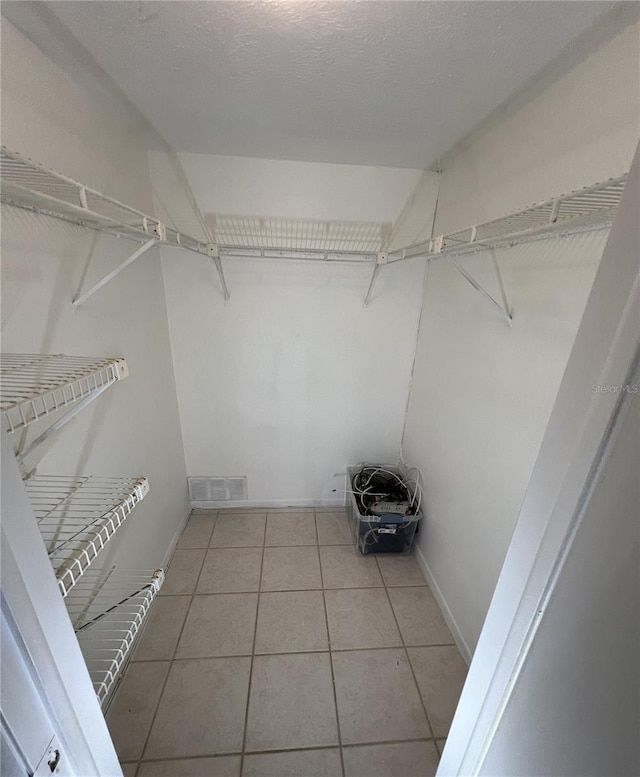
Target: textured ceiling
{"x":378,"y":83}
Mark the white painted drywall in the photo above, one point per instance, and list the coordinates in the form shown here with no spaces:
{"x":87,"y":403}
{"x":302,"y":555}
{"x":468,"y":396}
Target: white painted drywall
{"x":268,"y":187}
{"x":293,"y":378}
{"x":482,"y":392}
{"x":133,"y":429}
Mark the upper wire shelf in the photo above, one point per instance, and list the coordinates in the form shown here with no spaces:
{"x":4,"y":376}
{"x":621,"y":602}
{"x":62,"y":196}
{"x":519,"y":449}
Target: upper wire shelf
{"x":35,"y":385}
{"x":30,"y":185}
{"x":252,"y":236}
{"x":77,"y":516}
{"x":107,"y":609}
{"x":593,"y":207}
{"x":27,"y":184}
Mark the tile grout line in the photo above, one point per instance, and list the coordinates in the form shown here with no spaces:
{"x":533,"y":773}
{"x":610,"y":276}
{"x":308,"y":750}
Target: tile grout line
{"x":305,"y":748}
{"x":253,"y":650}
{"x":193,"y":593}
{"x":406,"y":652}
{"x":289,"y":652}
{"x":166,"y":679}
{"x":296,"y":590}
{"x":333,"y":676}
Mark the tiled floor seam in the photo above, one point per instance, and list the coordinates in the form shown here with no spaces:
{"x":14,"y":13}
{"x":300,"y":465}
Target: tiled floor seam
{"x":309,"y":748}
{"x":166,"y":679}
{"x":253,"y":654}
{"x":333,"y":676}
{"x":406,"y":652}
{"x":292,"y":590}
{"x":287,"y":652}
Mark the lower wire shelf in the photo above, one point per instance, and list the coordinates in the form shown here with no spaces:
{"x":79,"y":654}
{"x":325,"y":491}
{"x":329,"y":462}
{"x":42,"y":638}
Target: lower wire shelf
{"x":77,"y":516}
{"x":107,"y":609}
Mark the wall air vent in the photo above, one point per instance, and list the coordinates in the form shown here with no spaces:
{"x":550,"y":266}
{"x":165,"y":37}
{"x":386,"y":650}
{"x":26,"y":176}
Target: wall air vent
{"x":217,"y":489}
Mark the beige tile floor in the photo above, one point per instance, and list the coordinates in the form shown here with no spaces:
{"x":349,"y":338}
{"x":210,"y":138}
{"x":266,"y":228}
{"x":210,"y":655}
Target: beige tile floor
{"x":275,"y":650}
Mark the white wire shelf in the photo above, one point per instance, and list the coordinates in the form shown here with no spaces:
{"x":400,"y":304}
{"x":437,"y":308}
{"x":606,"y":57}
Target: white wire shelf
{"x":27,"y":184}
{"x":591,"y":208}
{"x":30,"y":185}
{"x":107,"y":610}
{"x":77,"y":516}
{"x":282,"y":238}
{"x":34,"y":385}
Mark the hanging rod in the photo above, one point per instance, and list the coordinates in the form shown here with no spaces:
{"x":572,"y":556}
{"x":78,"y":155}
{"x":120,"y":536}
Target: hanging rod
{"x":292,"y":254}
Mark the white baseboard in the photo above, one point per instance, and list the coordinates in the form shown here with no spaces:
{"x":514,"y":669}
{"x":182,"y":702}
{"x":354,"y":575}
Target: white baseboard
{"x":442,"y":602}
{"x":174,"y":540}
{"x":269,"y":503}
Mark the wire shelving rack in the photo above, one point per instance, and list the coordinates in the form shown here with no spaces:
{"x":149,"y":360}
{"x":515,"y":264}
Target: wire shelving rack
{"x":77,"y":516}
{"x":107,"y":610}
{"x":593,"y":207}
{"x":27,"y":184}
{"x":30,"y":185}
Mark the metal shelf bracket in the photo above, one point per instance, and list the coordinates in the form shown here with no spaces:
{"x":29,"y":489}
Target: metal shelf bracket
{"x":504,"y":309}
{"x":213,"y":250}
{"x":21,"y":455}
{"x":79,"y":300}
{"x":382,"y":258}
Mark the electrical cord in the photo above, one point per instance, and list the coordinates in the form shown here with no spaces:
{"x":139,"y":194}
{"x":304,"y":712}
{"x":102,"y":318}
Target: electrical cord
{"x":373,"y":482}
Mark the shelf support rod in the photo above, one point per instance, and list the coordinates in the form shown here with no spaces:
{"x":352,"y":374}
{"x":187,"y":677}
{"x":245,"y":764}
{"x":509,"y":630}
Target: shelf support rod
{"x":110,"y":276}
{"x":382,"y":258}
{"x":223,"y":280}
{"x":470,"y":279}
{"x":213,"y":249}
{"x":374,"y":275}
{"x":68,"y":416}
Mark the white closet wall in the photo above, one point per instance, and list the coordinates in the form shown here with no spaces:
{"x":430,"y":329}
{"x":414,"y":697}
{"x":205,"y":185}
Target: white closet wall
{"x":134,"y":428}
{"x":293,"y":378}
{"x":482,"y":392}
